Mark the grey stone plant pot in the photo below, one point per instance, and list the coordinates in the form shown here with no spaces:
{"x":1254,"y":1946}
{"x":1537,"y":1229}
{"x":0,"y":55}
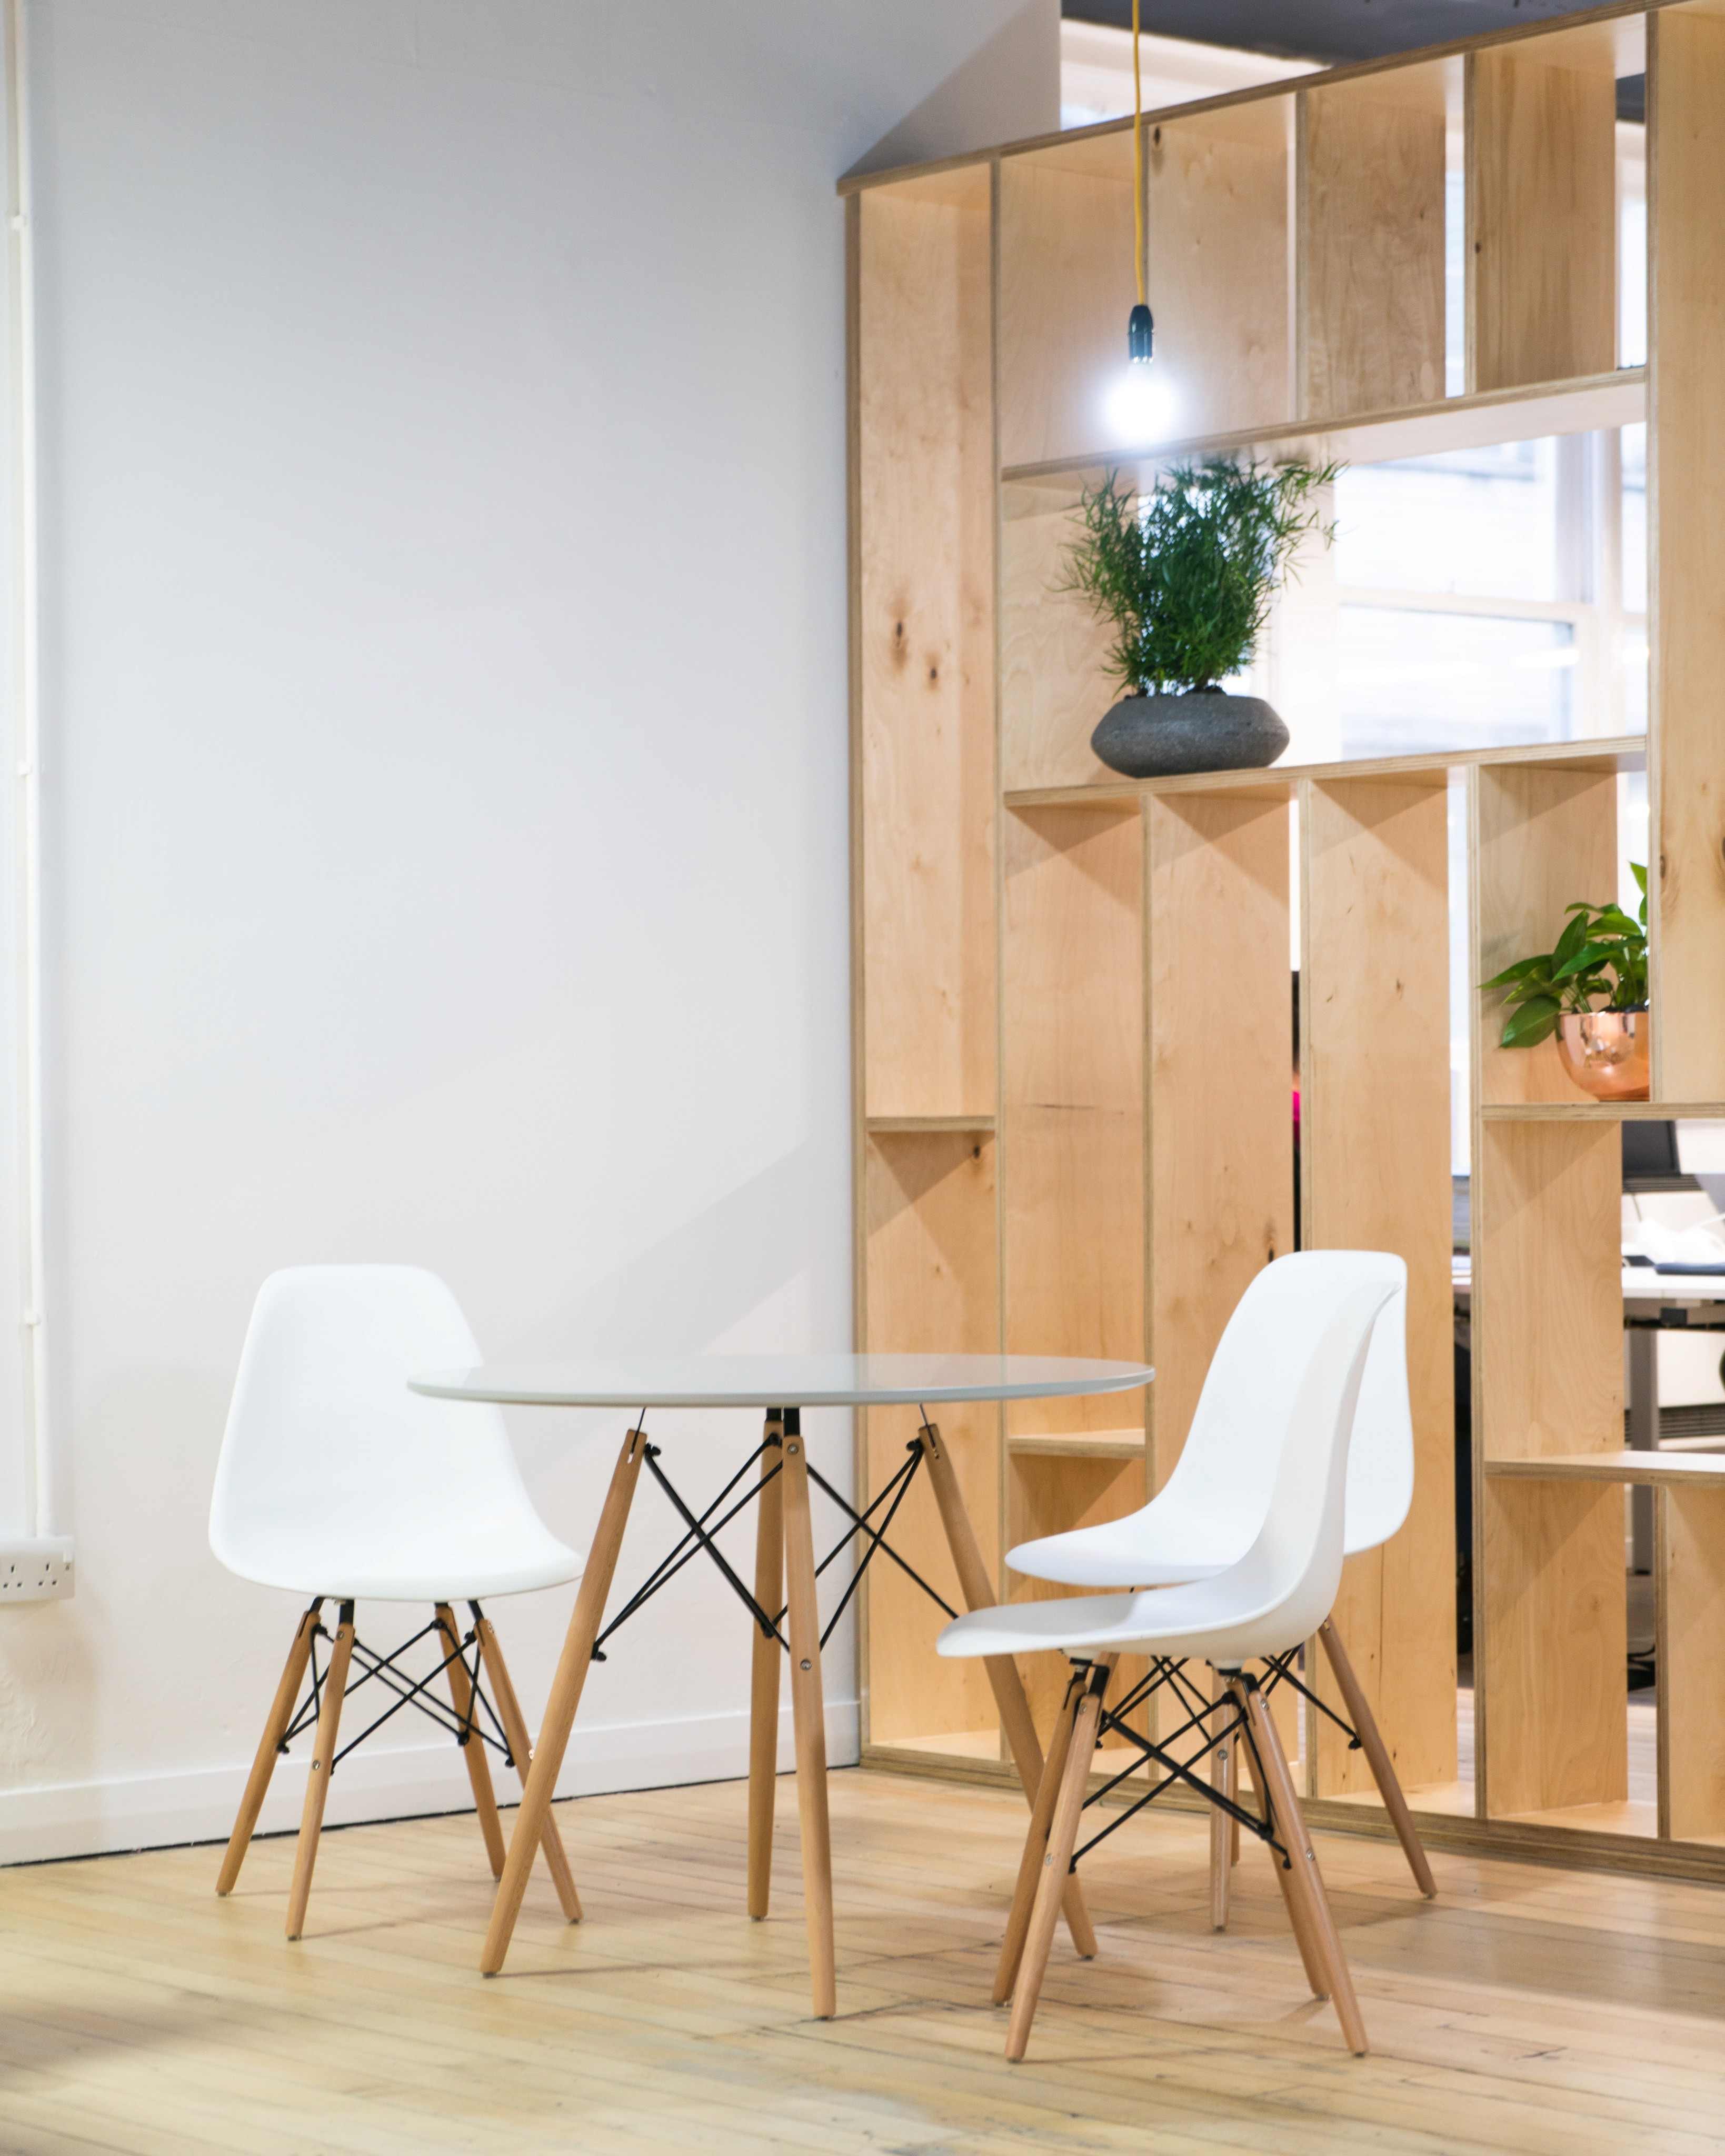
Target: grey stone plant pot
{"x":1206,"y":730}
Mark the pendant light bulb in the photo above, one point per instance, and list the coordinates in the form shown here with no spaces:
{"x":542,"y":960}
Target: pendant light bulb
{"x":1140,"y":404}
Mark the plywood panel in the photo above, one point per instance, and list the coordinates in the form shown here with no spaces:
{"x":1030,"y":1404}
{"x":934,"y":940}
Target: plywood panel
{"x":1218,"y":216}
{"x":1551,"y":1647}
{"x":1541,"y":219}
{"x":1550,"y":1636}
{"x":924,"y":602}
{"x":1691,"y":1563}
{"x":1537,"y":838}
{"x":1217,"y":222}
{"x":932,"y":1279}
{"x":1371,"y":251}
{"x":1221,"y":1115}
{"x":1067,"y":284}
{"x":1053,"y":653}
{"x":1686,"y":440}
{"x":1375,"y":1161}
{"x":1073,"y":1099}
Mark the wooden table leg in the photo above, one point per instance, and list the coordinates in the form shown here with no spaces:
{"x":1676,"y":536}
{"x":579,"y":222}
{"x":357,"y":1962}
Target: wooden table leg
{"x":1016,"y":1719}
{"x":564,"y":1697}
{"x":763,"y":1679}
{"x":808,"y":1709}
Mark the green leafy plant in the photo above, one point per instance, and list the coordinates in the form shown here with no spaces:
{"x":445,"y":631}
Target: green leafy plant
{"x":1185,"y":572}
{"x":1601,"y":952}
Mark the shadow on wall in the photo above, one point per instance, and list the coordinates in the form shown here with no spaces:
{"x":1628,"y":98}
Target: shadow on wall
{"x":698,"y":1282}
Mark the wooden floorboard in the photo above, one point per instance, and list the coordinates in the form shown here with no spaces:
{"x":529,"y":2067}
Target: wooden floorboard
{"x":1528,"y":2012}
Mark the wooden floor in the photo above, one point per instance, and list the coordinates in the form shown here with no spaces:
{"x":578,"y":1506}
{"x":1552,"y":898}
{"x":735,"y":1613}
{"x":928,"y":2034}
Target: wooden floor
{"x":1527,"y":2010}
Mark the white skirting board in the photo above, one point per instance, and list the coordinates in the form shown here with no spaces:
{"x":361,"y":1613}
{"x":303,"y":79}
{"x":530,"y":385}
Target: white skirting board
{"x":152,"y":1811}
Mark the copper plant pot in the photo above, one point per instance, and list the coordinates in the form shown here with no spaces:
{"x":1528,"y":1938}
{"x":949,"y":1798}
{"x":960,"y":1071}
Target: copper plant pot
{"x":1608,"y":1052}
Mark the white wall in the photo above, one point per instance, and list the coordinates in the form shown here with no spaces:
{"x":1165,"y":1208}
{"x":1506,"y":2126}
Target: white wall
{"x":443,"y":441}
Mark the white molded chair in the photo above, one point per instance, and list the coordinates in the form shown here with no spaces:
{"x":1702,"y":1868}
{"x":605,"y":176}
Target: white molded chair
{"x":335,"y":1480}
{"x":1214,"y":1501}
{"x":1275,"y":1592}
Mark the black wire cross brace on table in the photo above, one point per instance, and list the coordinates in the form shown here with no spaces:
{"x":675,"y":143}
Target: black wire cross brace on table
{"x":700,"y":1529}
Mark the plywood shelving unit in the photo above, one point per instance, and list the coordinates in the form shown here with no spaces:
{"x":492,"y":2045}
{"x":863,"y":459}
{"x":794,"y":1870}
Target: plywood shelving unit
{"x":1072,"y":1119}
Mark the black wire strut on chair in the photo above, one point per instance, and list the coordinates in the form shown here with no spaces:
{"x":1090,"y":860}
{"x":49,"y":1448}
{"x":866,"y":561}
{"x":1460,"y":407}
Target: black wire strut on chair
{"x":409,"y":1693}
{"x":1164,"y":1671}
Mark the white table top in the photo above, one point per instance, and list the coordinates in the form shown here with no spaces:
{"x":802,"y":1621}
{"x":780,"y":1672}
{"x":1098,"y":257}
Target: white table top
{"x":800,"y":1381}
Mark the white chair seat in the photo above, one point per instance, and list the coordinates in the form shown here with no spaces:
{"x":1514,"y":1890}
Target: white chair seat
{"x":485,"y":1560}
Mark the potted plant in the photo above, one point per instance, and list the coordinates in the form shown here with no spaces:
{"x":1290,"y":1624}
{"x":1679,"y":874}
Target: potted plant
{"x":1605,"y":1047}
{"x":1185,"y":573}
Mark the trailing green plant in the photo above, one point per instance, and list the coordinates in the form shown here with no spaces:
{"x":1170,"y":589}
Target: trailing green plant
{"x":1185,"y":572}
{"x":1601,"y":952}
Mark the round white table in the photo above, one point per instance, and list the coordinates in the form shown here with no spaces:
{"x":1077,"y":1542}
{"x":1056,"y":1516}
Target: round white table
{"x":782,"y":1385}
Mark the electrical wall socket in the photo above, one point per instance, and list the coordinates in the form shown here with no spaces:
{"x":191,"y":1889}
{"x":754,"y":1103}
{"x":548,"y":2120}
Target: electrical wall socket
{"x":36,"y":1569}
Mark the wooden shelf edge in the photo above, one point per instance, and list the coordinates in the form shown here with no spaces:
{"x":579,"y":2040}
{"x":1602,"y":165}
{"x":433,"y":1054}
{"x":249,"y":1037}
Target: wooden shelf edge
{"x":1576,"y":1849}
{"x":1079,"y":1445}
{"x":1617,"y":753}
{"x":1582,"y":1111}
{"x":884,"y":1126}
{"x":1576,"y":405}
{"x":1675,"y":1471}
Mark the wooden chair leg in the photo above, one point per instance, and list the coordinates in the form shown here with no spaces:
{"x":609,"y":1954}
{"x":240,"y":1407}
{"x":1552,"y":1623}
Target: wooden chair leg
{"x":1377,"y":1752}
{"x":1017,"y":1922}
{"x":1016,"y":1721}
{"x":521,"y":1746}
{"x":808,"y":1707}
{"x":473,"y":1745}
{"x":763,"y":1674}
{"x":1305,"y":1881}
{"x":564,"y":1697}
{"x":281,"y":1713}
{"x":323,"y":1762}
{"x":1223,"y":1828}
{"x":1056,"y":1861}
{"x":1315,"y":1975}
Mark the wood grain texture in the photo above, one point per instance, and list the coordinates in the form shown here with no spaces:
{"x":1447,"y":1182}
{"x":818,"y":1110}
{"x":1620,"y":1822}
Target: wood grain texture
{"x":1054,"y":684}
{"x":1686,"y":448}
{"x":1219,"y":220}
{"x":1067,"y":285}
{"x":1676,"y":1471}
{"x":1547,"y":1297}
{"x":933,"y":1289}
{"x":1690,"y":1534}
{"x":1550,"y":1621}
{"x":1375,"y":1176}
{"x":1370,"y":306}
{"x":1073,"y":1105}
{"x":1542,"y":218}
{"x":924,"y":602}
{"x":1545,"y":2011}
{"x":1538,"y":837}
{"x":1220,"y":1095}
{"x":1550,"y":1645}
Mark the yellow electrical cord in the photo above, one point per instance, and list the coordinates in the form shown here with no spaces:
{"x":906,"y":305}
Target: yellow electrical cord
{"x":1137,"y":156}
